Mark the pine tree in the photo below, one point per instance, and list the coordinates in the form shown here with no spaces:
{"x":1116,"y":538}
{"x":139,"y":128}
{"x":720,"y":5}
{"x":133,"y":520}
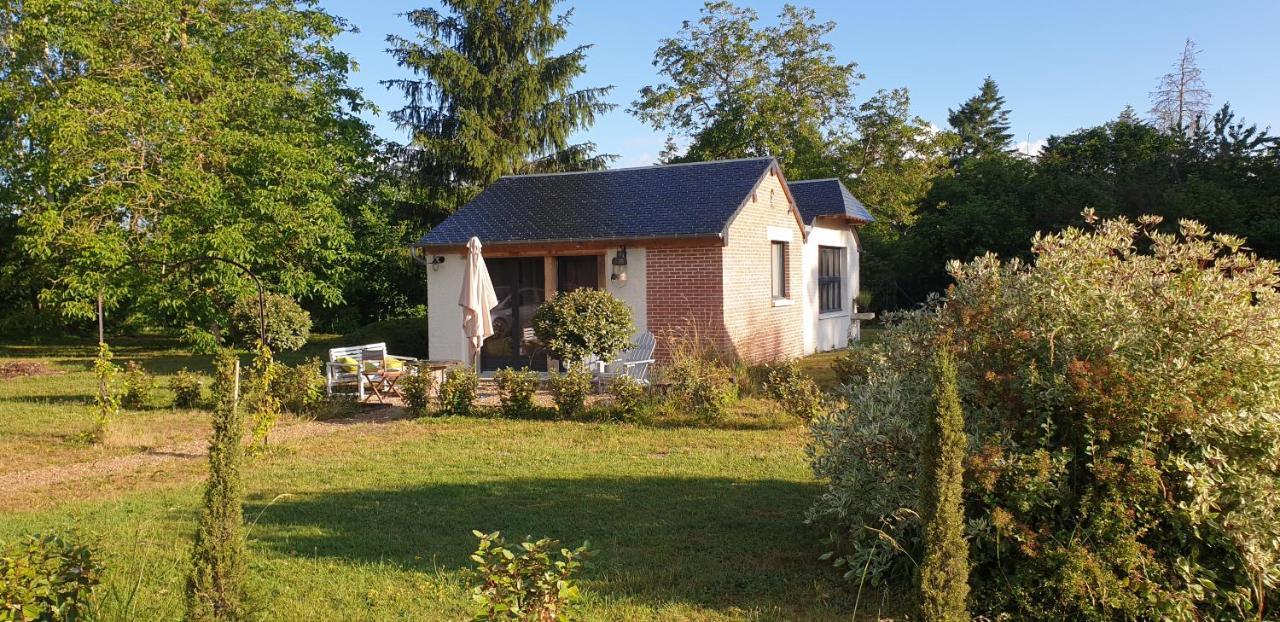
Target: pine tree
{"x":491,"y":99}
{"x":982,"y":122}
{"x":215,"y":588}
{"x":944,"y":573}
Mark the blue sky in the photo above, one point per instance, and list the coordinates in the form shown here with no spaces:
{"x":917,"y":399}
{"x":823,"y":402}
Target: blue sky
{"x":1060,"y":65}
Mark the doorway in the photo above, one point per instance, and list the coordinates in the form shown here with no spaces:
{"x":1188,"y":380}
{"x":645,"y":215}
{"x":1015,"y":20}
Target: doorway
{"x":577,"y":271}
{"x":520,"y":288}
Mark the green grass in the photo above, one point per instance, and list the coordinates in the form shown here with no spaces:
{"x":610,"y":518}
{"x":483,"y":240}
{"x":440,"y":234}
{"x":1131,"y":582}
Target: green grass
{"x":374,"y":522}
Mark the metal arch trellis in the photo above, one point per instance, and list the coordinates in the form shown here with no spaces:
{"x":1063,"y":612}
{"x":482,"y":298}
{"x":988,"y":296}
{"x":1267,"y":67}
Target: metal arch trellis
{"x":262,"y":292}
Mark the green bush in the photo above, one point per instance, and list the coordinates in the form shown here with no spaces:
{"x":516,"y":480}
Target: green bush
{"x":288,"y":325}
{"x":796,"y":393}
{"x":106,"y":400}
{"x":186,"y":387}
{"x":582,"y":323}
{"x":457,"y":394}
{"x":629,"y":398}
{"x":44,"y":577}
{"x":416,"y":387}
{"x":516,"y":389}
{"x":533,"y":582}
{"x":261,"y":395}
{"x":300,"y":388}
{"x":944,"y":572}
{"x":215,"y":588}
{"x":570,"y":390}
{"x":1121,"y":394}
{"x":137,"y":386}
{"x":701,"y":387}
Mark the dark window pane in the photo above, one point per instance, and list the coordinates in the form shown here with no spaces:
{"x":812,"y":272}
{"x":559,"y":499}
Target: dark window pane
{"x":830,"y":279}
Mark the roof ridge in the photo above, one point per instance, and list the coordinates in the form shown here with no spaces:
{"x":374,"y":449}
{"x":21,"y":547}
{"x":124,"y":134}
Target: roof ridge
{"x":638,"y":168}
{"x":809,"y":181}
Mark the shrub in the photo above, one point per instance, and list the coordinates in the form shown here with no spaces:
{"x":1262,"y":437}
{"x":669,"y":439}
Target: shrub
{"x":416,"y":387}
{"x":187,"y":391}
{"x":582,"y":323}
{"x":1121,"y":392}
{"x":457,"y":394}
{"x":569,"y":391}
{"x":702,"y":387}
{"x":628,"y":397}
{"x":288,"y":325}
{"x":944,"y":572}
{"x":106,"y":401}
{"x":263,"y":402}
{"x":215,"y":587}
{"x":515,"y":391}
{"x":530,"y":582}
{"x":300,"y":388}
{"x":44,"y":577}
{"x":137,"y":386}
{"x":797,"y":393}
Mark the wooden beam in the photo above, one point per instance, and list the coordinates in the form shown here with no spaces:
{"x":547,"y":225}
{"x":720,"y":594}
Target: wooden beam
{"x":548,"y":277}
{"x":600,"y":271}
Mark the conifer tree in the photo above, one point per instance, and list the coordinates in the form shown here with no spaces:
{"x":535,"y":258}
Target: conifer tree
{"x":215,"y":588}
{"x":944,"y":573}
{"x":489,"y":98}
{"x":982,"y":122}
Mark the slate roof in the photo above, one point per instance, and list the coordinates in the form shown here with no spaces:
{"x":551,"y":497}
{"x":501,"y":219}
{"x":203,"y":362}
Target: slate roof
{"x":827,"y":197}
{"x":672,"y":201}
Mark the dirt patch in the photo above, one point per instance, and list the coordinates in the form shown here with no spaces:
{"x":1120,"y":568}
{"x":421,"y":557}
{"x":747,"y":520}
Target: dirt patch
{"x":21,"y":369}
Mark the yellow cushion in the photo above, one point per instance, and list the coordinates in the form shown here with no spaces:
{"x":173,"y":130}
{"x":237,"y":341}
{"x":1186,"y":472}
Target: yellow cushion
{"x":395,"y":364}
{"x":371,"y":367}
{"x":348,"y":364}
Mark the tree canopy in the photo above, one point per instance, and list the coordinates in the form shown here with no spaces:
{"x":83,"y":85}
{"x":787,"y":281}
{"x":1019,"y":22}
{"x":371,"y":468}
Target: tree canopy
{"x":490,"y":97}
{"x":982,"y":123}
{"x":136,"y":134}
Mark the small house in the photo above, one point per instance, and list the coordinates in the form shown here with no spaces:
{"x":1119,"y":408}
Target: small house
{"x":728,"y":253}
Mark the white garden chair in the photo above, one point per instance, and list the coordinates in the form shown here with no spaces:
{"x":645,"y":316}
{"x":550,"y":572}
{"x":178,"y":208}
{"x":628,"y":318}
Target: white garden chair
{"x":633,"y":362}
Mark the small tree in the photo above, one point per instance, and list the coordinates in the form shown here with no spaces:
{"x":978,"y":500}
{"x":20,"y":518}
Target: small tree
{"x":944,"y":574}
{"x":215,"y":588}
{"x":582,"y":323}
{"x":106,"y":403}
{"x":265,"y":403}
{"x":288,"y":324}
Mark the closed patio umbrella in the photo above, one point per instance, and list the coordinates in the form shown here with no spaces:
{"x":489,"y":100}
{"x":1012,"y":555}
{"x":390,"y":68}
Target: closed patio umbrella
{"x":477,"y":300}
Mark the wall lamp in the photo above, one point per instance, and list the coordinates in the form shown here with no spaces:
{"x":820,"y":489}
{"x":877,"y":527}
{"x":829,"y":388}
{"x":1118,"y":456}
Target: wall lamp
{"x":436,"y":261}
{"x":620,"y":266}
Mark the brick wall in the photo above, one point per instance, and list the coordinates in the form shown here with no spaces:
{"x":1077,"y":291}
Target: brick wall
{"x":761,"y":329}
{"x":684,"y":296}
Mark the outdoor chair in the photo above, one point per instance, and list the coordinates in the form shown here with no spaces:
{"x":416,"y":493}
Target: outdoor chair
{"x":359,"y":367}
{"x":633,"y":362}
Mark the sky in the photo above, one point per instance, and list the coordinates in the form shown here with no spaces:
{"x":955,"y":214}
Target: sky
{"x":1061,"y":65}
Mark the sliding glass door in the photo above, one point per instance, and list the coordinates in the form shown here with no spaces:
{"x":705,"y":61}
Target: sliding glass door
{"x":519,"y":284}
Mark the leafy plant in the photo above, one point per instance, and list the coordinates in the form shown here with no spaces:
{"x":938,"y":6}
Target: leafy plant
{"x":1120,"y":392}
{"x":288,"y":325}
{"x":702,"y":387}
{"x":106,"y":402}
{"x":416,"y":387}
{"x":187,"y":389}
{"x":263,"y":402}
{"x":797,"y":393}
{"x":43,"y":577}
{"x":583,"y":323}
{"x":629,"y":397}
{"x":516,"y":389}
{"x":216,"y":586}
{"x":569,"y":390}
{"x":299,"y":389}
{"x":530,"y":582}
{"x":137,"y":385}
{"x":457,"y":394}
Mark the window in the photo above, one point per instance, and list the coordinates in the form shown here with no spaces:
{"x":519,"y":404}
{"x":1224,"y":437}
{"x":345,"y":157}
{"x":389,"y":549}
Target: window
{"x":830,"y":279}
{"x":778,"y":269}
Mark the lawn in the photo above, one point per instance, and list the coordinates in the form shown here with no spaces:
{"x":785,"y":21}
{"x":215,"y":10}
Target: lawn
{"x":374,"y":522}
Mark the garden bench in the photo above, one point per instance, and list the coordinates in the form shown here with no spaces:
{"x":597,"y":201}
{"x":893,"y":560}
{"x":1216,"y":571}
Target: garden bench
{"x":364,"y":367}
{"x":633,"y":362}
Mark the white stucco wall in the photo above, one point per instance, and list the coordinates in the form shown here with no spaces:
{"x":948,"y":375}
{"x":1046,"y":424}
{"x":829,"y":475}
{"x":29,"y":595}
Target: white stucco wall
{"x":445,"y":341}
{"x":444,"y":286}
{"x":829,"y":331}
{"x":632,"y":291}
